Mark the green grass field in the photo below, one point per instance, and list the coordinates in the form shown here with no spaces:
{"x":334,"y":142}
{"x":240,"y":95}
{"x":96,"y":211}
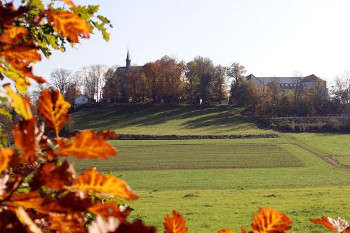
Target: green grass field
{"x":163,"y":119}
{"x":221,"y":183}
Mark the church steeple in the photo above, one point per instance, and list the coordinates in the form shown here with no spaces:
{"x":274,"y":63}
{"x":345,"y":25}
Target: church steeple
{"x":128,"y":61}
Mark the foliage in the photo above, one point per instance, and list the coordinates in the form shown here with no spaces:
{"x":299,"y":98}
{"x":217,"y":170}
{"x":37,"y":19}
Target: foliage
{"x":34,"y":27}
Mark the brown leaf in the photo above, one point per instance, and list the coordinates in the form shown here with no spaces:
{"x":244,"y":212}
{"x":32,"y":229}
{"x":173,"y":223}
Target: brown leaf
{"x":25,"y":140}
{"x":54,"y":109}
{"x":69,"y":24}
{"x":175,"y":224}
{"x":31,"y":200}
{"x":91,"y":181}
{"x":68,"y":223}
{"x":135,"y":227}
{"x":86,"y":144}
{"x":53,"y":177}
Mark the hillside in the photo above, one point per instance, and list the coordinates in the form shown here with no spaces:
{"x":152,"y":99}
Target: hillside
{"x":167,"y":120}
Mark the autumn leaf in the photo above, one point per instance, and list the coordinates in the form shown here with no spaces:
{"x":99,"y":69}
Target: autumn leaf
{"x":20,"y":57}
{"x":271,"y":221}
{"x":24,"y":218}
{"x":13,"y":35}
{"x":137,"y":226}
{"x":68,"y":223}
{"x":5,"y":158}
{"x":109,"y":209}
{"x":339,"y":225}
{"x":53,"y":177}
{"x":54,"y":109}
{"x":69,"y":24}
{"x":91,"y":181}
{"x":225,"y":231}
{"x":24,"y":135}
{"x":31,"y":200}
{"x":86,"y":144}
{"x":20,"y":104}
{"x":175,"y":224}
{"x":69,"y":2}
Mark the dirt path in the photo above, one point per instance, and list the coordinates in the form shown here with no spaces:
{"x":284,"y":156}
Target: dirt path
{"x":322,"y":155}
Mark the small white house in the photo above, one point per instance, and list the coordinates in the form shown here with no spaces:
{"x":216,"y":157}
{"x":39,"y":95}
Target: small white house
{"x":80,"y":101}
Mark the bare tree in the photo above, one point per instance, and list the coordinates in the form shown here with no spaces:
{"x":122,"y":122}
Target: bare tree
{"x":61,"y":79}
{"x":235,"y":75}
{"x":297,"y":78}
{"x":93,"y":79}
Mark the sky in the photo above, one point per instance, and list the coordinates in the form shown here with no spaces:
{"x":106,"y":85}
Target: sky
{"x":268,"y":37}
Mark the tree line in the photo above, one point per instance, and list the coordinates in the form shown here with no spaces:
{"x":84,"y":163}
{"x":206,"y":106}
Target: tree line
{"x":200,"y":81}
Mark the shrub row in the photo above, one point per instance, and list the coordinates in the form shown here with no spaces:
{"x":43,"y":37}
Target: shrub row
{"x":186,"y":137}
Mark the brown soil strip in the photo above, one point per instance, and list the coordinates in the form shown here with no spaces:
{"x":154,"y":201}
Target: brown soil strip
{"x":331,"y":161}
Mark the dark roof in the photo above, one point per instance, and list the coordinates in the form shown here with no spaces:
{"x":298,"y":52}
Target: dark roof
{"x":124,"y":69}
{"x":265,"y":80}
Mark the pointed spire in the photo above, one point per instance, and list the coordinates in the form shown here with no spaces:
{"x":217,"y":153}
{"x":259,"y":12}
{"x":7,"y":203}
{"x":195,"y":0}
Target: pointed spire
{"x":128,"y":61}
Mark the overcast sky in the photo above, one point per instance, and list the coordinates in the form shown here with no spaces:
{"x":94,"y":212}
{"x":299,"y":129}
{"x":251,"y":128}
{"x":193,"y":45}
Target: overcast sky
{"x":268,"y":37}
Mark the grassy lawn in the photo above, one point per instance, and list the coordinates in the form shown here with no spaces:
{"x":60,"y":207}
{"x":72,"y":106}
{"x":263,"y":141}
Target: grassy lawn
{"x":221,"y":183}
{"x":163,"y":119}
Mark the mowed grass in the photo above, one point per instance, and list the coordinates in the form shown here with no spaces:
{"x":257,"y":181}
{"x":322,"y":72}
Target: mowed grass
{"x":167,"y":120}
{"x":212,"y":197}
{"x":335,"y":145}
{"x":221,"y":183}
{"x":196,"y":154}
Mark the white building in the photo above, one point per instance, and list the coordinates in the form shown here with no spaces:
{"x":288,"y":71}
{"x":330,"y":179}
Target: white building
{"x":80,"y":101}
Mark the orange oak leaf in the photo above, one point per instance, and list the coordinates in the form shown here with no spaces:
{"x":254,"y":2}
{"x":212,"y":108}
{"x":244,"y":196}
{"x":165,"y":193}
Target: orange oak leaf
{"x":86,"y":144}
{"x":92,"y":181}
{"x":53,"y":177}
{"x":5,"y":158}
{"x":20,"y":104}
{"x":323,"y":221}
{"x":271,"y":221}
{"x":68,"y":223}
{"x":108,"y":134}
{"x":175,"y":224}
{"x":225,"y":231}
{"x":13,"y":35}
{"x":20,"y":57}
{"x":69,"y":24}
{"x":54,"y":109}
{"x":109,"y":209}
{"x":25,"y":140}
{"x":31,"y":200}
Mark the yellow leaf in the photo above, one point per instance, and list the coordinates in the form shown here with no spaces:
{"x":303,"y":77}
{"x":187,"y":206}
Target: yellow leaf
{"x":91,"y":181}
{"x":21,"y":81}
{"x":87,"y":144}
{"x":20,"y":104}
{"x":54,"y":108}
{"x":69,"y":24}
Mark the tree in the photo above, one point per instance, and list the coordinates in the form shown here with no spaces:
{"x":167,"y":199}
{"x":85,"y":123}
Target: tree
{"x":341,"y":92}
{"x":219,"y":83}
{"x":199,"y":73}
{"x":93,"y":79}
{"x":61,"y":79}
{"x":235,"y":74}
